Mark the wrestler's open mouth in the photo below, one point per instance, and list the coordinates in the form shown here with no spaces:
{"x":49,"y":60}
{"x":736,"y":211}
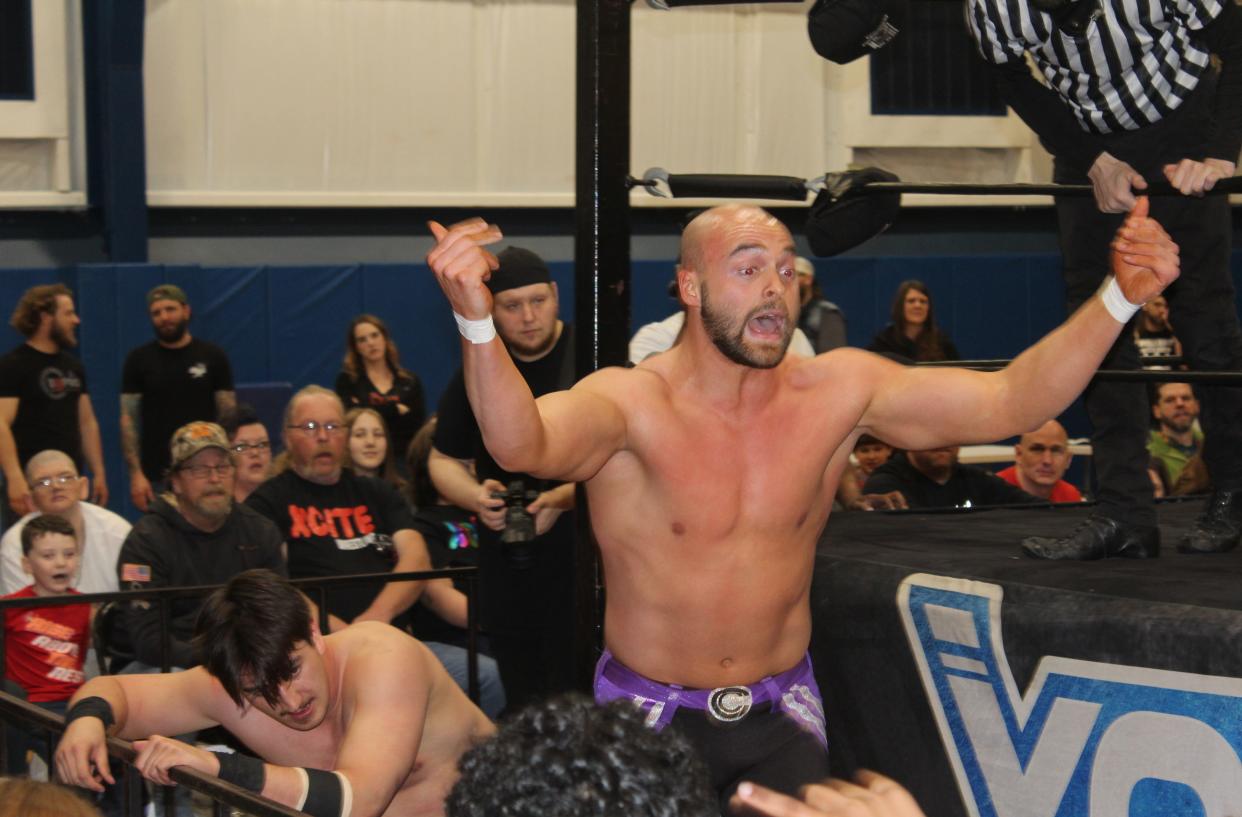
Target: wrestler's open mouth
{"x":767,"y":324}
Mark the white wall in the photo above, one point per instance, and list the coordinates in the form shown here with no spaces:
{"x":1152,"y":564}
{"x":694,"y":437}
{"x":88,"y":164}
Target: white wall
{"x":469,"y":102}
{"x":453,"y":102}
{"x":42,"y":147}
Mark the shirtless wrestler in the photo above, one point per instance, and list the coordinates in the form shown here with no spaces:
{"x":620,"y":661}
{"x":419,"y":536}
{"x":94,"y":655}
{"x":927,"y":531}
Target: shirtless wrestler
{"x":711,"y":469}
{"x":360,"y":723}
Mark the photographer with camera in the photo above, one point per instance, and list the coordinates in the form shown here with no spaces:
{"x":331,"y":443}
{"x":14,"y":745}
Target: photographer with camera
{"x":526,"y":553}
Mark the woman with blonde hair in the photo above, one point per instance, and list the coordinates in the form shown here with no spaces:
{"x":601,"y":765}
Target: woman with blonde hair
{"x":370,"y":452}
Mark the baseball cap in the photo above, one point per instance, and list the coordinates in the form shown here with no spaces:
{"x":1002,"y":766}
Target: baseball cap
{"x":166,"y":292}
{"x":192,"y":438}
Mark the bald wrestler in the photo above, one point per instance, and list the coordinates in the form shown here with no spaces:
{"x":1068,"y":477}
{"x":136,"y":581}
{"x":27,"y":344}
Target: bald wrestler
{"x":733,"y":451}
{"x":361,"y":723}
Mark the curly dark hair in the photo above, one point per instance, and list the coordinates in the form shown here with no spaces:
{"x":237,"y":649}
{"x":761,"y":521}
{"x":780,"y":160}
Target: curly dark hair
{"x":568,"y":757}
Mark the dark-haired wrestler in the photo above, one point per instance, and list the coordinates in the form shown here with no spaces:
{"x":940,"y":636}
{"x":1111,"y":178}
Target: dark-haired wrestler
{"x":711,"y":468}
{"x":361,"y":723}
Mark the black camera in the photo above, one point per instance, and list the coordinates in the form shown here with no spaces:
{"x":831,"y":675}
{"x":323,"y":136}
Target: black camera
{"x":519,"y":529}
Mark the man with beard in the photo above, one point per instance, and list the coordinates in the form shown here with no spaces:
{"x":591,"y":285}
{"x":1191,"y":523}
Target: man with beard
{"x":711,"y":469}
{"x":526,"y":596}
{"x":43,"y":398}
{"x":1176,"y":440}
{"x":196,"y":535}
{"x":173,"y":380}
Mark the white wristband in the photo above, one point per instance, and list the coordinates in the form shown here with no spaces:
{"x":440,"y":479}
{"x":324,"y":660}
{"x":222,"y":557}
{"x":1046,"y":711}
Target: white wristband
{"x":476,"y":331}
{"x":1116,"y":304}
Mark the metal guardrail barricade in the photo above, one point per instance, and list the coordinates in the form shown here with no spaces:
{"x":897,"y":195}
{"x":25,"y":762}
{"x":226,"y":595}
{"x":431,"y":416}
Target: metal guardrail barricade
{"x":225,"y":797}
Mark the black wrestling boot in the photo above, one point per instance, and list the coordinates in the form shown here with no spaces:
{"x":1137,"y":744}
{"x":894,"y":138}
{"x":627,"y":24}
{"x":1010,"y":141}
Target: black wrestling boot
{"x":1218,"y":528}
{"x":1097,"y":537}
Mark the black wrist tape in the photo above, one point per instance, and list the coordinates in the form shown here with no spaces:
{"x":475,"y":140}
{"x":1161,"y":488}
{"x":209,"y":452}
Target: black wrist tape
{"x":243,"y":771}
{"x":328,"y":794}
{"x":92,"y":707}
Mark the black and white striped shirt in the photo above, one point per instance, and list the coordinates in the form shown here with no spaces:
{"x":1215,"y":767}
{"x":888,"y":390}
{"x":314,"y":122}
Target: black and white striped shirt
{"x":1137,"y":63}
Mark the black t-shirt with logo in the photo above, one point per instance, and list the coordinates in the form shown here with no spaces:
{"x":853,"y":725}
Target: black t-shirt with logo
{"x":177,"y":386}
{"x":336,"y":530}
{"x":452,"y":537}
{"x":48,"y":388}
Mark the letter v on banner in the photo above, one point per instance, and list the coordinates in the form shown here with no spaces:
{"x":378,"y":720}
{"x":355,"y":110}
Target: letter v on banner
{"x":1087,"y":739}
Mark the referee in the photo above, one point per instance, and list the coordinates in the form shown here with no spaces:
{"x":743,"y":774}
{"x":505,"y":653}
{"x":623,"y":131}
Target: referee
{"x":1131,"y":93}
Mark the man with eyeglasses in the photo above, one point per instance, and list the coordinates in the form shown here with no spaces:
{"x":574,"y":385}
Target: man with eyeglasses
{"x":194,"y":535}
{"x":1131,"y":94}
{"x":252,"y":449}
{"x":57,"y":489}
{"x":173,"y":380}
{"x":337,"y":523}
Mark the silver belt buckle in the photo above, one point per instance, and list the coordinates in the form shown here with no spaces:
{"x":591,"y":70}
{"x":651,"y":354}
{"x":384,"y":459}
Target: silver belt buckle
{"x":728,"y":704}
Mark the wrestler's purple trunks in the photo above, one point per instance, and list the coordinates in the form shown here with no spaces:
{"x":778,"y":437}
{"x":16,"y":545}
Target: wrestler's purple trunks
{"x":793,"y":692}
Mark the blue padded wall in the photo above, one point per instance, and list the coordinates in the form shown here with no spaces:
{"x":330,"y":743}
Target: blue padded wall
{"x":288,"y":323}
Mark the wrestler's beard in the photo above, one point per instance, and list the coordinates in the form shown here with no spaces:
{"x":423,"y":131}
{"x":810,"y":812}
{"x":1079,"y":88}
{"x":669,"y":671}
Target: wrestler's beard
{"x":730,"y":338}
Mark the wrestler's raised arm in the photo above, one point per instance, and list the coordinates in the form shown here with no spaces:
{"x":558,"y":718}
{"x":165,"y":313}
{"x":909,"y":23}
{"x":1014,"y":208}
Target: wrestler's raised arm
{"x":921,"y":408}
{"x":564,"y":435}
{"x":140,"y":705}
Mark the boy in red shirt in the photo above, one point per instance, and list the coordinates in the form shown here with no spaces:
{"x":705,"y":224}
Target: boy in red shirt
{"x":45,"y":647}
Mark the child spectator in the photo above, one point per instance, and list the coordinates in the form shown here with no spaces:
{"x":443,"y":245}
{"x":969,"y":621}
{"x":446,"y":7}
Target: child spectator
{"x":45,"y":647}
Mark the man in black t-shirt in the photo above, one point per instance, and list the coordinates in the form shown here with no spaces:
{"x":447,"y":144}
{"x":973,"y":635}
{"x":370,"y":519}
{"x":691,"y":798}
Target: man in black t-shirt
{"x":43,"y":397}
{"x":1153,"y":334}
{"x":526,"y":594}
{"x":173,"y":380}
{"x":336,"y":523}
{"x":935,"y":479}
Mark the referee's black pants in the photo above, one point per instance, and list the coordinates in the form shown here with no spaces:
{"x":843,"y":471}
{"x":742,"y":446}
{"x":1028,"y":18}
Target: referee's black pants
{"x":1202,"y":311}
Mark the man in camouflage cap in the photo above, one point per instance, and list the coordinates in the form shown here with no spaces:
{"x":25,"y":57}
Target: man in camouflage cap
{"x":193,"y":535}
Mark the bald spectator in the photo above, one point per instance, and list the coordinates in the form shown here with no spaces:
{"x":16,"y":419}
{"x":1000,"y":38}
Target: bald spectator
{"x":1040,"y":459}
{"x":935,"y":479}
{"x":56,"y":488}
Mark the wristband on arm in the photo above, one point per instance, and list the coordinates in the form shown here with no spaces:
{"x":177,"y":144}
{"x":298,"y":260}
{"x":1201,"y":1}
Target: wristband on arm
{"x":92,"y":707}
{"x":243,"y":771}
{"x":325,"y":794}
{"x":1115,"y":302}
{"x":476,"y":331}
